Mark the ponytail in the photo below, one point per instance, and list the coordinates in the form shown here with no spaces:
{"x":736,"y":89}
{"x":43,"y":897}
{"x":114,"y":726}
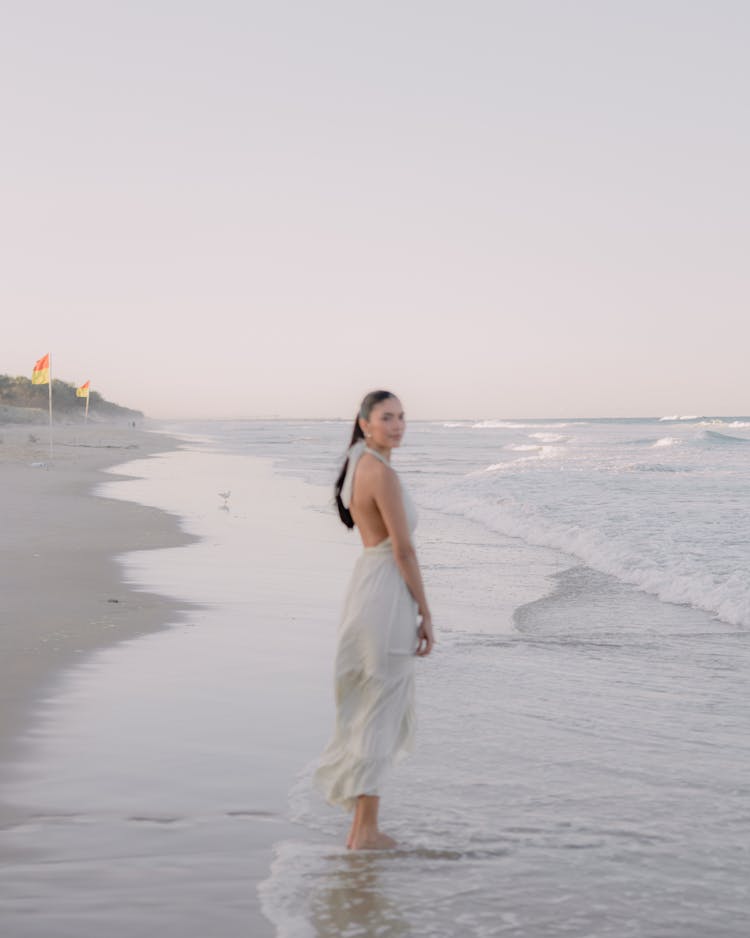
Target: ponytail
{"x":373,"y":398}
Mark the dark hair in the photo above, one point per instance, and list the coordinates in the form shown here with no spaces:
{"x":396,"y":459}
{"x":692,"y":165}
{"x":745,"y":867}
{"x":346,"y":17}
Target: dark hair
{"x":365,"y":409}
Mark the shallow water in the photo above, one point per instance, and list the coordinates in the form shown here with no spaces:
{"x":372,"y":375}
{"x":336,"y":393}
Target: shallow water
{"x":658,"y":503}
{"x":156,"y":778}
{"x":590,"y":778}
{"x":583,"y":756}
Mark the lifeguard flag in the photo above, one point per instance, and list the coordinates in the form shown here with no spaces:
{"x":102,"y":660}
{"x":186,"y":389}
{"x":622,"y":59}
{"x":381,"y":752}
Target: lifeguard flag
{"x":83,"y":391}
{"x":40,"y":374}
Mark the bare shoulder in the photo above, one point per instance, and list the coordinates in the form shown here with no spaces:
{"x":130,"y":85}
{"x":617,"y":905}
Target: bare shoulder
{"x":375,"y":474}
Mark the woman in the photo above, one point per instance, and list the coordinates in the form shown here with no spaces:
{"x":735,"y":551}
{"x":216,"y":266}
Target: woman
{"x":385,"y":623}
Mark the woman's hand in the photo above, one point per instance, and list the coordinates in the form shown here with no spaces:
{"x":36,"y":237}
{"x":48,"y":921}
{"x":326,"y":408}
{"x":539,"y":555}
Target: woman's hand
{"x":425,"y":637}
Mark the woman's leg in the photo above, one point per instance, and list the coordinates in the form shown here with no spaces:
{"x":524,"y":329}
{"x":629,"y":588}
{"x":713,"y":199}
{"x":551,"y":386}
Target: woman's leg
{"x":364,"y":833}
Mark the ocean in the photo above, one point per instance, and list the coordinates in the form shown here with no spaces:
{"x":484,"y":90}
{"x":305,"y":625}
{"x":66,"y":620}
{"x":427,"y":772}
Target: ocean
{"x":658,"y":504}
{"x":583,"y":759}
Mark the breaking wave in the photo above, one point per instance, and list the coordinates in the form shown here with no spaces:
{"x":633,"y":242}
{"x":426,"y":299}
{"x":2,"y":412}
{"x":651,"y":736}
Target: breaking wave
{"x":715,"y":437}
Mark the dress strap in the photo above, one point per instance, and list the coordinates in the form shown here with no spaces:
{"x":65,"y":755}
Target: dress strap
{"x":377,"y":455}
{"x":354,"y":455}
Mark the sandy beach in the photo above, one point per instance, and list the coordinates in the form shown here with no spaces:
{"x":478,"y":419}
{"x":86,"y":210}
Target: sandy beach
{"x":149,"y":777}
{"x":572,"y":728}
{"x":63,"y":594}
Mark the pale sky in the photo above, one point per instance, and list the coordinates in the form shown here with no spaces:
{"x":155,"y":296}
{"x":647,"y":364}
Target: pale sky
{"x":496,"y":209}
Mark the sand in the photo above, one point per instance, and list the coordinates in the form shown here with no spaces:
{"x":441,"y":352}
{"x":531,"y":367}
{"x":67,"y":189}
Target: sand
{"x":103,"y":840}
{"x":62,"y":591}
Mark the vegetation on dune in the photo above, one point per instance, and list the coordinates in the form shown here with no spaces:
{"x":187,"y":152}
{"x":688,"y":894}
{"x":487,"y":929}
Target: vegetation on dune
{"x":20,"y":392}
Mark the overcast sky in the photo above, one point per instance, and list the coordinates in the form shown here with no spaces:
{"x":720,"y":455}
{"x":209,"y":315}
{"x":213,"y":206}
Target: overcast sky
{"x":497,"y":209}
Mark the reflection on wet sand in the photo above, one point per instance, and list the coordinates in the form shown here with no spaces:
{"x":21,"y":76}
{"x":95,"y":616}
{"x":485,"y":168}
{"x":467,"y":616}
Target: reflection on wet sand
{"x":350,"y":900}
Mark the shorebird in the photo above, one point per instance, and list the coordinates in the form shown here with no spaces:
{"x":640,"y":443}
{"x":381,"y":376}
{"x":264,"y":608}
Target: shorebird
{"x":225,"y":496}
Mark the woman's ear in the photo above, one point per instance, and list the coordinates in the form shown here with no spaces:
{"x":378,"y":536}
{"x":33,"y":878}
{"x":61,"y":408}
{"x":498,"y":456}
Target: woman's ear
{"x":363,"y":426}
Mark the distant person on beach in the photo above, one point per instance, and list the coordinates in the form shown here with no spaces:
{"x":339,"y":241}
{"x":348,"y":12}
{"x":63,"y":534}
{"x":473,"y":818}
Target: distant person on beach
{"x":386,"y":622}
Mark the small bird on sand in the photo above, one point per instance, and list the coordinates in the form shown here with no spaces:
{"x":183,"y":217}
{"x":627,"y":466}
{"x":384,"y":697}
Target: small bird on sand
{"x":225,"y":496}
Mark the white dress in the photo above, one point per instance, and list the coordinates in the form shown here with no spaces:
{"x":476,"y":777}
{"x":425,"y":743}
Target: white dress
{"x":374,"y":669}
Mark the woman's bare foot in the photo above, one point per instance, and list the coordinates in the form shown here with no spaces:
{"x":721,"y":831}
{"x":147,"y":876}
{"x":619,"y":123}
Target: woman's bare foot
{"x":373,"y":841}
{"x":364,"y":833}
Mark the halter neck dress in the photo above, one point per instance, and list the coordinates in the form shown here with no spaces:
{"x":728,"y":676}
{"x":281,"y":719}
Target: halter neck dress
{"x":374,"y":668}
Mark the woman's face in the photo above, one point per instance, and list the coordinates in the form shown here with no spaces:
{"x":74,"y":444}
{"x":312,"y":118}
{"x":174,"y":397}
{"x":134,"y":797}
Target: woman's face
{"x":386,"y":424}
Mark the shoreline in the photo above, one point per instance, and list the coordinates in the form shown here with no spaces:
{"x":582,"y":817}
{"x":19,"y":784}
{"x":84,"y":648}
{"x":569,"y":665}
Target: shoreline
{"x":64,"y":593}
{"x":219,"y":830}
{"x":97,"y":780}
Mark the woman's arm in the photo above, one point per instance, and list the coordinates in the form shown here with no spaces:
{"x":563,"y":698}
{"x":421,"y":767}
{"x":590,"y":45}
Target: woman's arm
{"x":390,"y":503}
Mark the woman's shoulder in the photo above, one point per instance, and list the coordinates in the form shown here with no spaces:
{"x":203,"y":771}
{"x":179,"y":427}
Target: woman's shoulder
{"x":371,"y":466}
{"x":375,"y":471}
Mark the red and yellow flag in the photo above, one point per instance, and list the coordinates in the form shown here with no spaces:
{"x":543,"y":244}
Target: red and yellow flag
{"x":83,"y":391}
{"x":40,"y":374}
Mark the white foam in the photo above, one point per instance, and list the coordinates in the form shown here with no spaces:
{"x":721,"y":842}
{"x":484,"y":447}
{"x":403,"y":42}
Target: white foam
{"x":549,"y":437}
{"x":497,"y":466}
{"x":499,"y":425}
{"x":674,"y":532}
{"x":282,"y":897}
{"x":669,"y":577}
{"x":539,"y":453}
{"x":512,"y":425}
{"x":719,"y":422}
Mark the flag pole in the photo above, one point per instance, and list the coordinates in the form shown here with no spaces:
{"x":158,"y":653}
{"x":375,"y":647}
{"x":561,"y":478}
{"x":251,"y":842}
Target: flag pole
{"x":50,"y":407}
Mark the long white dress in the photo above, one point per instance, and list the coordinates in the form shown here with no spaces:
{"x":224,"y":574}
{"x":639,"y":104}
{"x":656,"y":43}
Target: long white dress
{"x":374,"y":669}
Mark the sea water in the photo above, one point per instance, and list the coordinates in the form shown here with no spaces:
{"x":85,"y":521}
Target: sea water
{"x":583,"y":764}
{"x":583,"y":745}
{"x":659,"y":504}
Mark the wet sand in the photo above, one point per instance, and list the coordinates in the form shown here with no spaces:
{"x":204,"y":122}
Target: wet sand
{"x":147,"y":783}
{"x":62,"y":590}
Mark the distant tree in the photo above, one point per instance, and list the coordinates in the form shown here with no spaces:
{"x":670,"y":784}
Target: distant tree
{"x":20,"y":392}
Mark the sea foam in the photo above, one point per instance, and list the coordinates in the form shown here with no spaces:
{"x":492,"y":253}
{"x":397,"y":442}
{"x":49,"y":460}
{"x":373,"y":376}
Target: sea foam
{"x":672,"y":576}
{"x":659,"y":513}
